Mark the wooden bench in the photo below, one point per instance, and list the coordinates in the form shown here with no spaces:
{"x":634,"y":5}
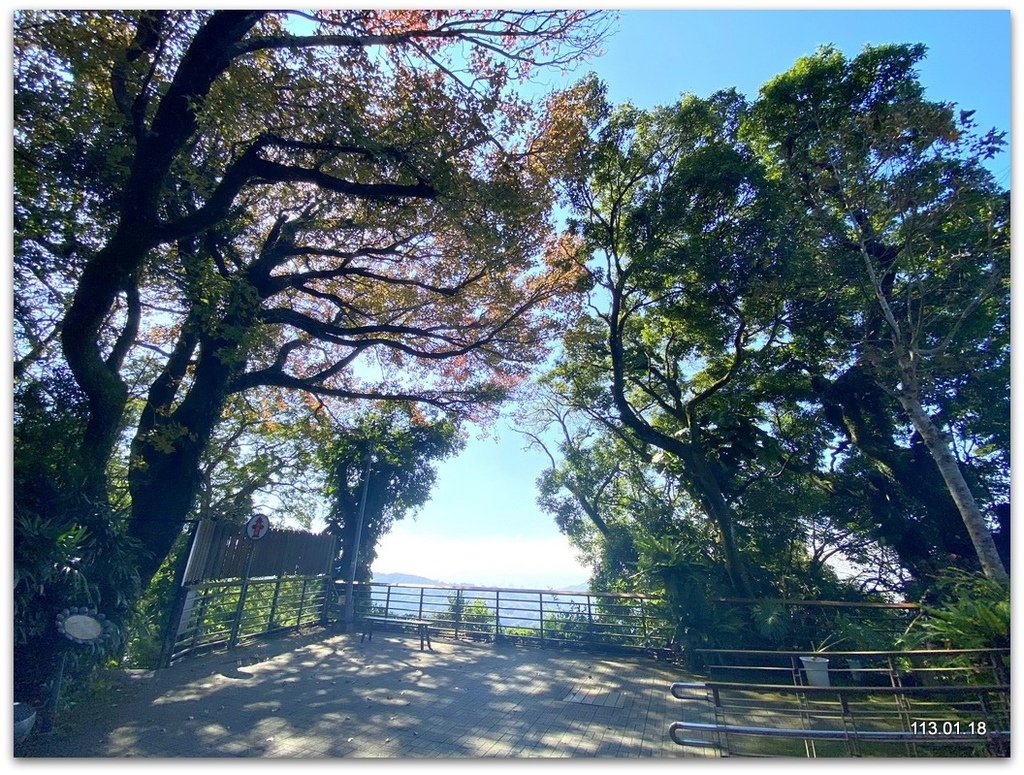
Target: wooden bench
{"x":422,"y":627}
{"x":923,"y":719}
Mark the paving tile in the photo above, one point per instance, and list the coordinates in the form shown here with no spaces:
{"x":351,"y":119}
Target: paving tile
{"x":324,"y":695}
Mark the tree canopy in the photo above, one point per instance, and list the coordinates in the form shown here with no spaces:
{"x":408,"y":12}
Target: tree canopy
{"x":793,"y":300}
{"x":382,"y":469}
{"x":896,"y":186}
{"x":262,"y":253}
{"x":233,"y":227}
{"x":349,"y":204}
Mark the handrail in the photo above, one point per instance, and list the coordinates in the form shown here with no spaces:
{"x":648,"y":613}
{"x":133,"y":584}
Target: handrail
{"x":894,"y":652}
{"x":543,"y":616}
{"x":818,"y":691}
{"x":856,"y":713}
{"x":819,"y":603}
{"x":525,"y":590}
{"x":868,"y":735}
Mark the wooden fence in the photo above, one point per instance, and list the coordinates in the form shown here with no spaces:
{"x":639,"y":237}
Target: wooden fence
{"x":220,"y":550}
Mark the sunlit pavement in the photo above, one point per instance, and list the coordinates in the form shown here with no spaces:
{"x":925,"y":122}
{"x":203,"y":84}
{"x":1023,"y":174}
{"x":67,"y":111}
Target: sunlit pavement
{"x":325,"y":695}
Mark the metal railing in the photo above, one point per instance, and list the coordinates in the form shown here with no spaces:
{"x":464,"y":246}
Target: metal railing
{"x":934,"y":702}
{"x":532,"y":616}
{"x":225,"y":613}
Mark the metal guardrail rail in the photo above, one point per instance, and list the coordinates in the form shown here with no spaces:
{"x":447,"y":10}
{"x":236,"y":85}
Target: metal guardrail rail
{"x":532,"y":616}
{"x":225,"y":613}
{"x":904,"y":703}
{"x":220,"y":614}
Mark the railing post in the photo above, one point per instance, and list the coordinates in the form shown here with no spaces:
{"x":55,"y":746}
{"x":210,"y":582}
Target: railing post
{"x":497,"y":615}
{"x":643,"y":625}
{"x":419,"y":614}
{"x":197,"y":631}
{"x":328,"y":586}
{"x":540,"y":606}
{"x":273,"y":605}
{"x":236,"y":625}
{"x":240,"y":610}
{"x":458,"y":612}
{"x":302,"y":600}
{"x":590,"y":618}
{"x":387,"y":602}
{"x":181,"y":599}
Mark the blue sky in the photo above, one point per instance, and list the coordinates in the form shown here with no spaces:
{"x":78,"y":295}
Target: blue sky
{"x":482,"y":524}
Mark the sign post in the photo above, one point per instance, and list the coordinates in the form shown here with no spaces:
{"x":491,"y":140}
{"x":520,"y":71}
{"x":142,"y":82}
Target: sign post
{"x":82,"y":625}
{"x":255,"y":529}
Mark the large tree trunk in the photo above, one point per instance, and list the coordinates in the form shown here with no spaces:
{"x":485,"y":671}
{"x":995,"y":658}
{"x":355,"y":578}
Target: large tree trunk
{"x":974,"y":520}
{"x":708,"y":491}
{"x":164,"y":476}
{"x":909,"y":396}
{"x":718,"y":509}
{"x":111,"y":270}
{"x":856,"y":406}
{"x":103,"y":278}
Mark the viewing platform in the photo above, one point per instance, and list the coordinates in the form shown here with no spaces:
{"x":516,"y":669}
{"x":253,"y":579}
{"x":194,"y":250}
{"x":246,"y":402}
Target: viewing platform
{"x":321,"y":695}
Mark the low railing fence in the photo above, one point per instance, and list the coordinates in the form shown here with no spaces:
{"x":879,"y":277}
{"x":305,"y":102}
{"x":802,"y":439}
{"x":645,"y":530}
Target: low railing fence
{"x":531,"y":616}
{"x":229,"y":612}
{"x":924,"y":702}
{"x":853,"y":626}
{"x":552,"y":617}
{"x":223,"y":613}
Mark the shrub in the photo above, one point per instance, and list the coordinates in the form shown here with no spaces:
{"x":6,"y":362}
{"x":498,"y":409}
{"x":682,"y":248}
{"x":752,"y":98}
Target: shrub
{"x":963,"y":611}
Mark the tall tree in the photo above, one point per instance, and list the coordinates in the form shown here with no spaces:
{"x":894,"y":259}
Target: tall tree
{"x":914,"y":227}
{"x":349,"y":204}
{"x":601,"y":488}
{"x":382,"y":468}
{"x":692,"y":257}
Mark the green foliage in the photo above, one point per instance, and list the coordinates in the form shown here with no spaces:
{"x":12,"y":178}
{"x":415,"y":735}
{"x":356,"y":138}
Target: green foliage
{"x":692,"y":245}
{"x":571,"y":625}
{"x":773,"y":621}
{"x":67,"y":551}
{"x":859,"y":634}
{"x":264,"y":452}
{"x":398,"y":449}
{"x":780,"y":289}
{"x":964,"y":611}
{"x":688,"y":580}
{"x":220,"y":203}
{"x":208,"y":210}
{"x":470,"y":616}
{"x":912,"y":273}
{"x":150,"y":619}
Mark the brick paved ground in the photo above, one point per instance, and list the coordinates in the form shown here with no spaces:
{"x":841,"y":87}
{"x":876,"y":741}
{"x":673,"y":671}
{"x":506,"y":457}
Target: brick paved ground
{"x":321,"y":695}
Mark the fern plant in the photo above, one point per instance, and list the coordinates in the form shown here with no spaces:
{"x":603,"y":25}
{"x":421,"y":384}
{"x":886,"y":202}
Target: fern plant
{"x":972,"y":612}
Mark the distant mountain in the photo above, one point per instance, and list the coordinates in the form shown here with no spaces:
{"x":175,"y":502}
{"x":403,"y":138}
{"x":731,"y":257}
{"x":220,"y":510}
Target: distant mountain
{"x":406,"y":578}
